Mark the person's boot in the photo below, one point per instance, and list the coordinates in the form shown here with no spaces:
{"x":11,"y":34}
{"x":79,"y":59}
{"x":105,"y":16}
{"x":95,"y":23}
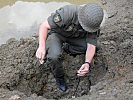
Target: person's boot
{"x":58,"y":73}
{"x":61,"y":84}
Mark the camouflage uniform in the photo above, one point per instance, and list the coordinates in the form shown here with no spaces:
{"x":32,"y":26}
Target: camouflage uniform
{"x":66,"y":29}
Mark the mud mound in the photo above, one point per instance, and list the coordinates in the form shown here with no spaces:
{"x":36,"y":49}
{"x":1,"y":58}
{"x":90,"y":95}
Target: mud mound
{"x":20,"y":70}
{"x":110,"y":77}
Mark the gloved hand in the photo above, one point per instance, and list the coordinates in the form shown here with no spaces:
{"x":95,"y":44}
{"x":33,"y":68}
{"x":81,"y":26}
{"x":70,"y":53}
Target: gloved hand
{"x":83,"y":69}
{"x":40,"y":54}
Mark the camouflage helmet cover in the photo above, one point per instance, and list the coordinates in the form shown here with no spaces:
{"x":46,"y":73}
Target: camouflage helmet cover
{"x":90,"y":17}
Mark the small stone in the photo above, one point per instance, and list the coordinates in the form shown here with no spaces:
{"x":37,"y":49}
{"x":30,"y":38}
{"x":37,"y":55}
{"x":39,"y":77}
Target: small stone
{"x":102,"y":93}
{"x":10,"y":40}
{"x":41,"y":61}
{"x":106,"y":43}
{"x":2,"y":96}
{"x":130,"y":81}
{"x":73,"y":97}
{"x":15,"y":97}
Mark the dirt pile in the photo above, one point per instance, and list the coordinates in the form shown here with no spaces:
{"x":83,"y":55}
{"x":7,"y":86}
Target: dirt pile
{"x":20,"y":70}
{"x":111,"y":75}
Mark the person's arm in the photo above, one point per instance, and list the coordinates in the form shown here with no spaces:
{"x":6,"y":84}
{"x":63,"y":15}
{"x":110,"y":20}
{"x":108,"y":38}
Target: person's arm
{"x":53,"y":21}
{"x":90,"y":52}
{"x":43,"y":31}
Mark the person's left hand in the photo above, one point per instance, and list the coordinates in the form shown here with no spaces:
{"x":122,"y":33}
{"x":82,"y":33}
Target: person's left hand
{"x":83,"y":69}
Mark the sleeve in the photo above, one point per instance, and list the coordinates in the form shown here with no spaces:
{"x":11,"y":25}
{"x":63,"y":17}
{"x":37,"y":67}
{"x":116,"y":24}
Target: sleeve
{"x":56,"y":19}
{"x":92,"y":38}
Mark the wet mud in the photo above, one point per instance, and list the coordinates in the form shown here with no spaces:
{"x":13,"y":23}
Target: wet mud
{"x":20,"y":70}
{"x":22,"y":77}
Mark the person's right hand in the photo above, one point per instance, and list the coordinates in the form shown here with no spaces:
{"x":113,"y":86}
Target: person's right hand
{"x":40,"y":53}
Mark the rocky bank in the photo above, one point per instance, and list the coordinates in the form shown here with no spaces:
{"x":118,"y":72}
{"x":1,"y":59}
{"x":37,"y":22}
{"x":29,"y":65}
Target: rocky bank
{"x":22,"y":77}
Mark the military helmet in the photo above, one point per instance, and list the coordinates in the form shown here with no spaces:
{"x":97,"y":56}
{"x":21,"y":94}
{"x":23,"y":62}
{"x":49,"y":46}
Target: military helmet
{"x":90,"y":17}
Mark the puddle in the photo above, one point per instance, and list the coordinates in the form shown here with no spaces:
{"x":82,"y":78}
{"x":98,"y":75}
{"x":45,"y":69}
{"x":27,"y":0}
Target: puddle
{"x":23,"y":19}
{"x":10,"y":2}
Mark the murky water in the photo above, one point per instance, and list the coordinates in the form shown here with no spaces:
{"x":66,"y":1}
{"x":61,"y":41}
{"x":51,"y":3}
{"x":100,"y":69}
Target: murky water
{"x":22,"y":18}
{"x":10,"y":2}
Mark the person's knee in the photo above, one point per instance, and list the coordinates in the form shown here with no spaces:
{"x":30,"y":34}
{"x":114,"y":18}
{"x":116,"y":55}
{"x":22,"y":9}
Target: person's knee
{"x":54,"y":47}
{"x":54,"y":53}
{"x":53,"y":57}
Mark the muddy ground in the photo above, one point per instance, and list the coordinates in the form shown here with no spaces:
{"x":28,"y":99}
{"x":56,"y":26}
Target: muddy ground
{"x":111,"y":74}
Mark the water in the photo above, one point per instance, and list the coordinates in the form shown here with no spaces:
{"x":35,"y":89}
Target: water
{"x":22,"y":19}
{"x":10,"y":2}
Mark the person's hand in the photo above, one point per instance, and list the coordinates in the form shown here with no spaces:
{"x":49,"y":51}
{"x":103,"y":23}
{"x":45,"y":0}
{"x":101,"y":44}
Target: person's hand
{"x":40,"y":54}
{"x":83,"y":69}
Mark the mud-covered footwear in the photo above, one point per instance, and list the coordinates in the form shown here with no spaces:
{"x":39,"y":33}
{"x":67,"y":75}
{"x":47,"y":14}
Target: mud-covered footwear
{"x":61,"y":84}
